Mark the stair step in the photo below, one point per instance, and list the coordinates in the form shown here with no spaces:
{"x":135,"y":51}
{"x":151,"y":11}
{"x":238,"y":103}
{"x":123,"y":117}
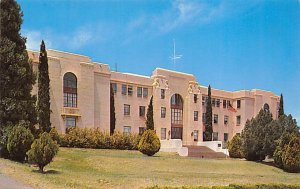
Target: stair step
{"x":204,"y":152}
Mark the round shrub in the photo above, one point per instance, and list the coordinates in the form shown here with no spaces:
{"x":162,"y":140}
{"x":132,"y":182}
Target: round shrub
{"x":149,"y":143}
{"x":42,"y":151}
{"x":54,"y":135}
{"x":291,"y":156}
{"x":235,"y":147}
{"x":18,"y":143}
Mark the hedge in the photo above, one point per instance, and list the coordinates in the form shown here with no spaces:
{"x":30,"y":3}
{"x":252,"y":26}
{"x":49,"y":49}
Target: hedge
{"x":233,"y":186}
{"x":97,"y":139}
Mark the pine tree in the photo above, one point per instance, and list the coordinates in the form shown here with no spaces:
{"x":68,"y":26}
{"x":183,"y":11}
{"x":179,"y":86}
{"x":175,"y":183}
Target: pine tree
{"x":255,"y":136}
{"x":16,"y":75}
{"x":208,"y":116}
{"x":149,"y":121}
{"x":43,"y":105}
{"x":281,"y":110}
{"x":112,"y":111}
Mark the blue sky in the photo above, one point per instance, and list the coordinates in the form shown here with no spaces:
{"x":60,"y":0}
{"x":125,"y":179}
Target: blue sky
{"x":231,"y":45}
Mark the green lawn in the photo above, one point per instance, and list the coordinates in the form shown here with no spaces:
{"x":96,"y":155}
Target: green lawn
{"x":87,"y":168}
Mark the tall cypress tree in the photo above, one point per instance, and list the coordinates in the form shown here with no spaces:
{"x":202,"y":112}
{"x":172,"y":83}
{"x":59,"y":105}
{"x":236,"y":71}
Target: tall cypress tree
{"x":17,"y":104}
{"x":149,"y":121}
{"x":112,"y":111}
{"x":281,"y":110}
{"x":208,"y":115}
{"x":43,"y":105}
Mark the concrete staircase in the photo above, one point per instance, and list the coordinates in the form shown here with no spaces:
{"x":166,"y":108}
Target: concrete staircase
{"x":204,"y":152}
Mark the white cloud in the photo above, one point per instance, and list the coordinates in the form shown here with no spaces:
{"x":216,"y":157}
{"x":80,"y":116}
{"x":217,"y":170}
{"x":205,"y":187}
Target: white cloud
{"x":77,"y":39}
{"x":34,"y":39}
{"x":80,"y":38}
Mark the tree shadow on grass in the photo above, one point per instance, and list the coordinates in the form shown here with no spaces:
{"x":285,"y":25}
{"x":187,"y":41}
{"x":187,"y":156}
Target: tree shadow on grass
{"x":47,"y":172}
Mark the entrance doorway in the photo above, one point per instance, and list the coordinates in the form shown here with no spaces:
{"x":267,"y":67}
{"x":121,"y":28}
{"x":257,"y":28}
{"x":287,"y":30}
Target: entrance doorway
{"x":176,"y":116}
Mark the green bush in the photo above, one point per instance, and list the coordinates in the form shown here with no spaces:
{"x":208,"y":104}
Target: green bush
{"x":235,"y":147}
{"x":149,"y":143}
{"x":54,"y":135}
{"x":18,"y":143}
{"x":95,"y":138}
{"x":291,"y":155}
{"x":4,"y":133}
{"x":42,"y":151}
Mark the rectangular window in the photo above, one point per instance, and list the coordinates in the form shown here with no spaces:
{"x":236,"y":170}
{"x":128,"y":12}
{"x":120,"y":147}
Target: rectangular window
{"x":204,"y":100}
{"x":163,"y":133}
{"x":195,"y":135}
{"x":163,"y":112}
{"x":195,"y":98}
{"x":124,"y":89}
{"x":238,"y":104}
{"x":216,"y":117}
{"x":126,"y":109}
{"x":114,"y":87}
{"x":162,"y":93}
{"x":218,"y":103}
{"x":70,"y":100}
{"x":142,"y":111}
{"x":127,"y":129}
{"x":238,"y":120}
{"x":70,"y":122}
{"x":139,"y":91}
{"x":130,"y":90}
{"x":145,"y":92}
{"x":226,"y":120}
{"x":225,"y":137}
{"x":213,"y":102}
{"x":224,"y":104}
{"x":204,"y":117}
{"x":228,"y":103}
{"x":215,"y":136}
{"x":142,"y":130}
{"x":195,"y":115}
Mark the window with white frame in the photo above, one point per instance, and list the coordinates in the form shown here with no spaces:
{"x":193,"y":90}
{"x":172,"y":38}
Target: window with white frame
{"x":162,"y":93}
{"x":124,"y":89}
{"x":238,"y":120}
{"x":163,"y":133}
{"x":126,"y":109}
{"x":145,"y":92}
{"x":163,"y":112}
{"x":130,"y":90}
{"x":226,"y":120}
{"x":127,"y":129}
{"x":142,"y":111}
{"x":139,"y":91}
{"x":215,"y":136}
{"x":216,"y":117}
{"x":195,"y":115}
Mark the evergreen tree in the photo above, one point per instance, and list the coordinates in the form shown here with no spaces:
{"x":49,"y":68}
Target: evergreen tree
{"x":112,"y":111}
{"x":43,"y":105}
{"x":149,"y":121}
{"x":208,"y":116}
{"x":16,"y":75}
{"x":255,"y":144}
{"x":281,"y":110}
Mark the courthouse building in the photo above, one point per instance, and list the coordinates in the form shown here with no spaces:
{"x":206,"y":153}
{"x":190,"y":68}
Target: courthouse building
{"x":80,"y":97}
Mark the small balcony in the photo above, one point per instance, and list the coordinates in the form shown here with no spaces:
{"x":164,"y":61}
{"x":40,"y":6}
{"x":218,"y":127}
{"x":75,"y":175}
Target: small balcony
{"x":70,"y":111}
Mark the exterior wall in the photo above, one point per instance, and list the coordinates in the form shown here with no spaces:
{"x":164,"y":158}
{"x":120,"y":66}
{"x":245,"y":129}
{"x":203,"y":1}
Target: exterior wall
{"x":93,"y":104}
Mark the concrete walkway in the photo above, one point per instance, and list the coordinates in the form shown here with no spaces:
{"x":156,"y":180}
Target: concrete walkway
{"x":7,"y":182}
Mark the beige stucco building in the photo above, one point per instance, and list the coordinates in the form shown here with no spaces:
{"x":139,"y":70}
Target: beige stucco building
{"x":80,"y":96}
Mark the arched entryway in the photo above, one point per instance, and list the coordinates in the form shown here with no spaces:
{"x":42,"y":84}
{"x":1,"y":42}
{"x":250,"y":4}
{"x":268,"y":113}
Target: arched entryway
{"x":176,"y":116}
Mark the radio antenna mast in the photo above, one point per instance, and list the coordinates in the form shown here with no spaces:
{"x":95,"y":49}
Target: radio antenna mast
{"x":175,"y":56}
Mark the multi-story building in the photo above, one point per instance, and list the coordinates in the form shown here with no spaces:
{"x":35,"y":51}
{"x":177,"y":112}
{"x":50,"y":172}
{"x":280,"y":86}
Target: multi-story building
{"x":80,"y":97}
